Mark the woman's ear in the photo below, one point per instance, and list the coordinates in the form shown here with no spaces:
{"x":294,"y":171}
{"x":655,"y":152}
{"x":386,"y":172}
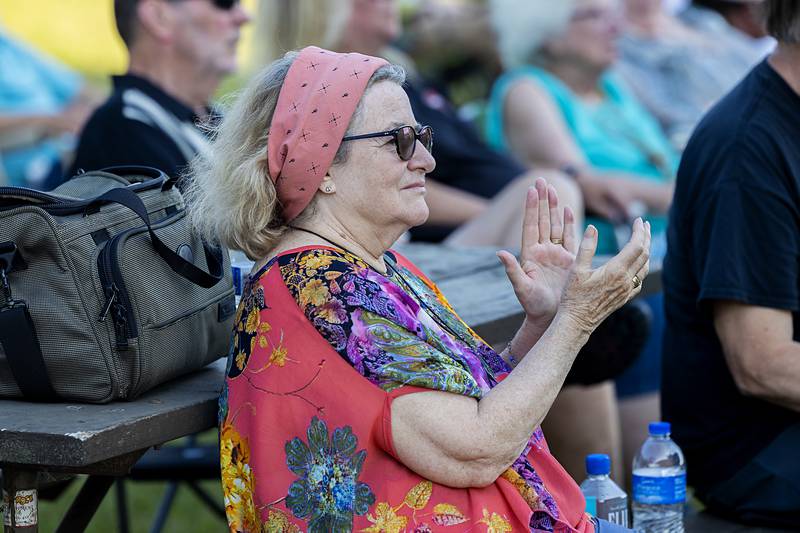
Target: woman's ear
{"x":327,"y":186}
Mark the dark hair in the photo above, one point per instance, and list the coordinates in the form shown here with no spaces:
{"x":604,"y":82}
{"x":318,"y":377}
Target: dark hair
{"x":783,"y":20}
{"x":125,"y":17}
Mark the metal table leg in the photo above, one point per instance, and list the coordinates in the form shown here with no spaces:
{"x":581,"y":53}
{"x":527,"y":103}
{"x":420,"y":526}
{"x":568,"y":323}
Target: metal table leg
{"x":86,"y":503}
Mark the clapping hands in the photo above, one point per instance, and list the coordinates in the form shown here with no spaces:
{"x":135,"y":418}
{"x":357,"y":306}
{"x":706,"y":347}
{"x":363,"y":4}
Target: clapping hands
{"x":552,"y":272}
{"x":547,"y":254}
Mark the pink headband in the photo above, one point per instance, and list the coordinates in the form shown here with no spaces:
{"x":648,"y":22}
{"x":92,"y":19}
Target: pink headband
{"x":319,"y":96}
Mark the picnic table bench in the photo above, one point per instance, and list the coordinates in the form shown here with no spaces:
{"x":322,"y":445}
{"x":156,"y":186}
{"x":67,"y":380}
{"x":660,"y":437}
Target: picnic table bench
{"x":39,"y":441}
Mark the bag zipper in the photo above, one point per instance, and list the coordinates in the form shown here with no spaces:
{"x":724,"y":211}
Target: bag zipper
{"x":118,"y":303}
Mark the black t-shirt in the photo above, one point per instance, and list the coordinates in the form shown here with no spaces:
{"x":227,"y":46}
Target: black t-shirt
{"x":139,"y":124}
{"x":463,"y":160}
{"x":734,"y":235}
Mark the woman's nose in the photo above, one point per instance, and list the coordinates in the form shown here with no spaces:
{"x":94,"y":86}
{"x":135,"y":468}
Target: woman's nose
{"x":422,"y":159}
{"x":240,"y":15}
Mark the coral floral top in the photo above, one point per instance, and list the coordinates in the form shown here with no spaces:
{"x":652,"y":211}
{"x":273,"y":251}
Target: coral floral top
{"x":321,"y":347}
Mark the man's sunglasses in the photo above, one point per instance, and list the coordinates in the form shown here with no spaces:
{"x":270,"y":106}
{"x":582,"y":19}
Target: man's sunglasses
{"x":224,"y":5}
{"x":405,"y":139}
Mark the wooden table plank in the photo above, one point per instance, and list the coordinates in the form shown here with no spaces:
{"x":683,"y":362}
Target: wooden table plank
{"x":76,"y":435}
{"x":440,"y":262}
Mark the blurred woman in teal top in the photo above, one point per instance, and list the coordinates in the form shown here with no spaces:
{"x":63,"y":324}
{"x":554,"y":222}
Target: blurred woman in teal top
{"x":560,"y":104}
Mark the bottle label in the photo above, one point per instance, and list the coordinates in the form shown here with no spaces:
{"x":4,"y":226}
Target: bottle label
{"x":614,"y":510}
{"x":659,"y":490}
{"x":25,"y":508}
{"x":591,"y":505}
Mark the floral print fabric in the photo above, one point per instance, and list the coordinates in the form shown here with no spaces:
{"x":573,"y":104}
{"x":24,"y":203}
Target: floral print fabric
{"x":312,"y":325}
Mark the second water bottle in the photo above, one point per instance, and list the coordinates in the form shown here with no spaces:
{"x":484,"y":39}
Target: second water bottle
{"x":659,"y":483}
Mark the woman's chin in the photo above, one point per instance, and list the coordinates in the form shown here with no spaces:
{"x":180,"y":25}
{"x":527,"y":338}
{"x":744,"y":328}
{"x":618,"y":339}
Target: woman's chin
{"x":419,"y":216}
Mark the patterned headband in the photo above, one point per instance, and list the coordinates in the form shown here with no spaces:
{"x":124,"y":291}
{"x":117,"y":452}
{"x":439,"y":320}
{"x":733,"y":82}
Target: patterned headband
{"x":319,"y":96}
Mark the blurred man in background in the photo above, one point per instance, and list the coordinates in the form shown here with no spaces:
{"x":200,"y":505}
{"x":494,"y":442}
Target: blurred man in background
{"x":179,"y":51}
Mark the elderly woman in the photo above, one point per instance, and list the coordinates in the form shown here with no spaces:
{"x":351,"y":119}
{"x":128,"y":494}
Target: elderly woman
{"x":586,"y":410}
{"x":356,"y":398}
{"x":559,"y":105}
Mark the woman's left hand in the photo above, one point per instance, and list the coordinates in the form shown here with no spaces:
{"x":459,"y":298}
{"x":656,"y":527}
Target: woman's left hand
{"x":547,"y":254}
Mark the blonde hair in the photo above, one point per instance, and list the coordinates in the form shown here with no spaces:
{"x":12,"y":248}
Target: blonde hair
{"x":522,"y":26}
{"x":230,"y":195}
{"x":291,"y":24}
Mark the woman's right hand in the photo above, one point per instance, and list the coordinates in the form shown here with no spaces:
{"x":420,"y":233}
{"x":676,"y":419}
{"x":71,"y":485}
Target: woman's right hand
{"x":590,"y":295}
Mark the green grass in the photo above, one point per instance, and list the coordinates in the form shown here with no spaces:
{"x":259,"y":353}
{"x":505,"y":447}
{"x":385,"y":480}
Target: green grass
{"x":188,"y":512}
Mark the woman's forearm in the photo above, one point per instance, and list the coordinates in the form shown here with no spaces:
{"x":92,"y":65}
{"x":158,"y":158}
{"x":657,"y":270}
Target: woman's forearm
{"x":657,"y":196}
{"x":516,"y":406}
{"x":458,"y":441}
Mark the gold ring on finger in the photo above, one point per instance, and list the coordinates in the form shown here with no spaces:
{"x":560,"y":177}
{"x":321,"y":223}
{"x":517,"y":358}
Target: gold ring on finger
{"x":557,"y":240}
{"x":636,"y":282}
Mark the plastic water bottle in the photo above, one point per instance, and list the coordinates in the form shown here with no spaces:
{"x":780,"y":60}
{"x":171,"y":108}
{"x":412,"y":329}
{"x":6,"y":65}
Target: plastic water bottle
{"x":659,"y":483}
{"x":604,"y":498}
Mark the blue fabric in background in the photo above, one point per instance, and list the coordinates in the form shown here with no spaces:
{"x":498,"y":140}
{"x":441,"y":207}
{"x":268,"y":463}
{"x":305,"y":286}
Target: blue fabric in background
{"x":31,"y":84}
{"x":644,"y":375}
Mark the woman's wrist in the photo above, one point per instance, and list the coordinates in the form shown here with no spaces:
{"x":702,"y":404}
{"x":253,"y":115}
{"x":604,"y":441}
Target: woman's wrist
{"x":571,"y":326}
{"x":524,"y":339}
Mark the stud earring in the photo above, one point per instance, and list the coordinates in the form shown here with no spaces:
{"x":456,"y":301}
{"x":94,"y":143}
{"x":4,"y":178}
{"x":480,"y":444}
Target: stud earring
{"x":328,"y":189}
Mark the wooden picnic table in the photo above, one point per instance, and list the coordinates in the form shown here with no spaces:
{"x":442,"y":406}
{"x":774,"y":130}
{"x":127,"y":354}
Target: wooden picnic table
{"x":38,"y":441}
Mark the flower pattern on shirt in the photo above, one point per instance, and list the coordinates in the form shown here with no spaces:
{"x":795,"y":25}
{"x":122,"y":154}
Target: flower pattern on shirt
{"x":327,"y":492}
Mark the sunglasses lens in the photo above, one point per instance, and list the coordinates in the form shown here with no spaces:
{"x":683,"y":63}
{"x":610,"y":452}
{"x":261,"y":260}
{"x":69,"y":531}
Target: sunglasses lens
{"x":225,"y":4}
{"x":426,"y":138}
{"x":406,"y":140}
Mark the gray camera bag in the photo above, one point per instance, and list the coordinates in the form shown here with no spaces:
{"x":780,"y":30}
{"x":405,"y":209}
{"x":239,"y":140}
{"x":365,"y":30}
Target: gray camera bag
{"x":105,"y":292}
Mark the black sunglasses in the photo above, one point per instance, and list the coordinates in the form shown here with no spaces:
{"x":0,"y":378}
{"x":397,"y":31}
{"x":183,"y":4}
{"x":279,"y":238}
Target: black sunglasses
{"x":224,"y":5}
{"x":405,"y":139}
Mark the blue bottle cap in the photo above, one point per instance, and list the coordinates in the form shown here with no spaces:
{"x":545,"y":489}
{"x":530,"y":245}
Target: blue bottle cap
{"x":598,"y":464}
{"x":659,"y":428}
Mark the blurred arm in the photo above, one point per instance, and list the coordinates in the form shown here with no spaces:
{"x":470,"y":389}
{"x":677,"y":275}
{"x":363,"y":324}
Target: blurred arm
{"x":760,"y":352}
{"x":450,"y":206}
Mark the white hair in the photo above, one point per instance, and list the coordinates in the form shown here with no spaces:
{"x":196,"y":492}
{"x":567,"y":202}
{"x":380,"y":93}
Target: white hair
{"x":522,"y":26}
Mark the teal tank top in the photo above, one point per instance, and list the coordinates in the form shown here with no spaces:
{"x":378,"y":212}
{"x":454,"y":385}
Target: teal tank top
{"x":617,"y":134}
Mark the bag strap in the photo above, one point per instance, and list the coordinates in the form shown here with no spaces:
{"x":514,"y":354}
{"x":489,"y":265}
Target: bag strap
{"x":24,"y":355}
{"x":181,"y":266}
{"x":19,"y":340}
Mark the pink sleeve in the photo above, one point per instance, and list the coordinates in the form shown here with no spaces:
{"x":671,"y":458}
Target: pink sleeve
{"x":383,"y":426}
